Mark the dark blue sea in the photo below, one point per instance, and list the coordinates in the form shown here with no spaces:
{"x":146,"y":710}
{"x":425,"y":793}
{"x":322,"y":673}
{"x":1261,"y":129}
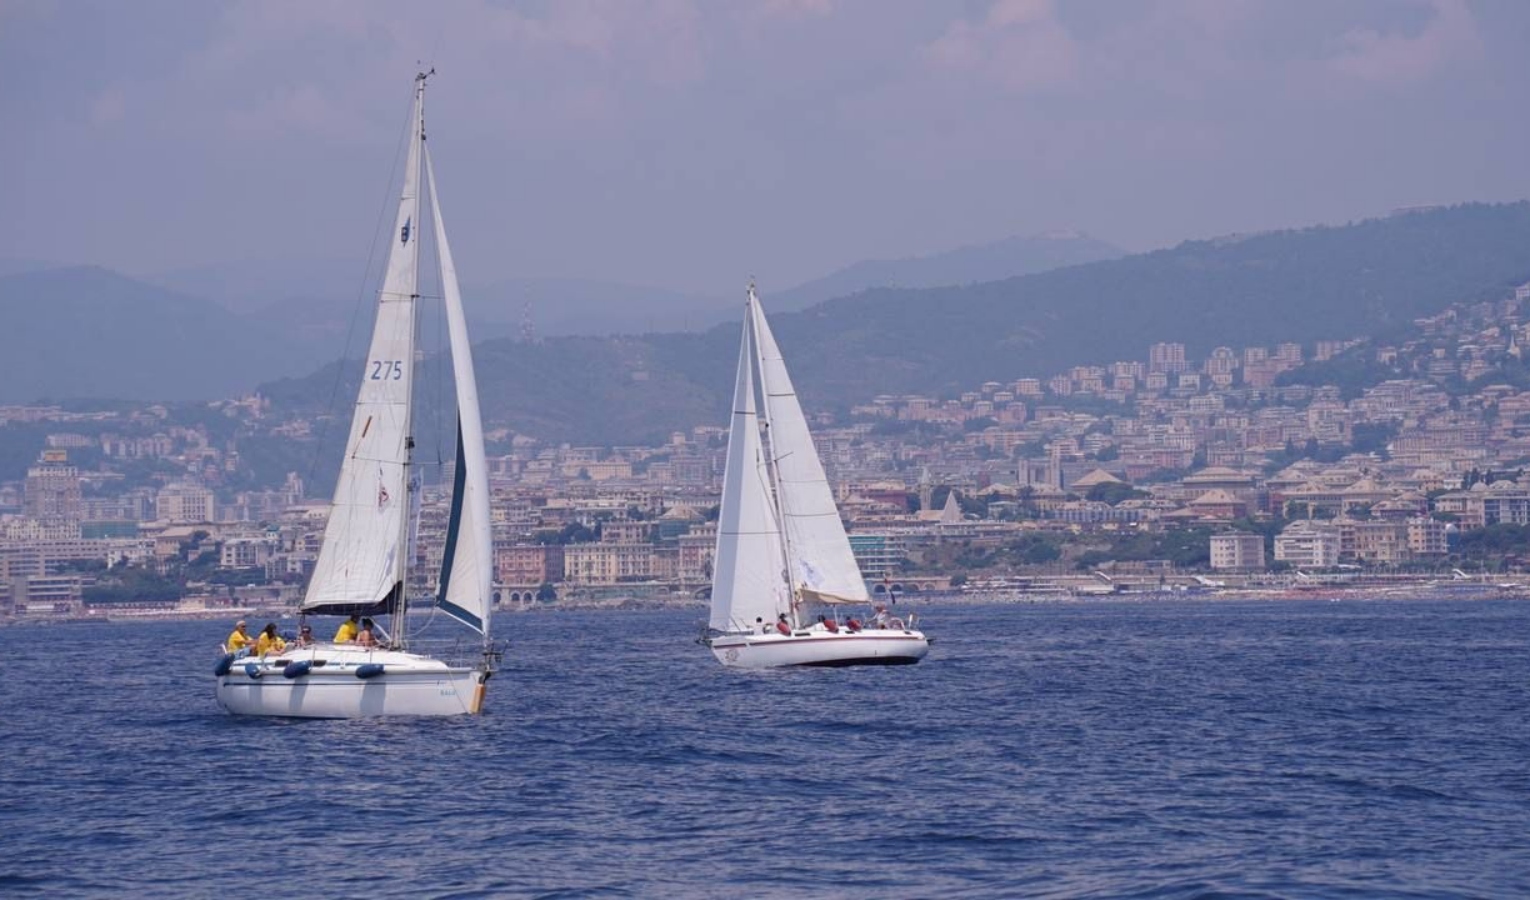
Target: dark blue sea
{"x":1184,"y":749}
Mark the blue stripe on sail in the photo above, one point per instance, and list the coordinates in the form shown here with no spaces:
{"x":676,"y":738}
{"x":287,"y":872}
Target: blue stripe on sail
{"x":384,"y":606}
{"x":461,"y":615}
{"x":453,"y":530}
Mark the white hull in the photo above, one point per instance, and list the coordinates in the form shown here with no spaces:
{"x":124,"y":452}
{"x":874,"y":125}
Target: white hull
{"x":814,"y":647}
{"x":408,"y":685}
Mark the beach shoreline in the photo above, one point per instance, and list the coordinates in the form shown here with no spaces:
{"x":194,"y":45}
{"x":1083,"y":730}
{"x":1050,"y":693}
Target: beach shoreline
{"x":930,"y":600}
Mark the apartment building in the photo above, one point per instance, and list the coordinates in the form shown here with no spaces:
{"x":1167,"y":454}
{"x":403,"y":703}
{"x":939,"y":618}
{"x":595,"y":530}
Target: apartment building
{"x":1307,"y":545}
{"x":1239,"y":551}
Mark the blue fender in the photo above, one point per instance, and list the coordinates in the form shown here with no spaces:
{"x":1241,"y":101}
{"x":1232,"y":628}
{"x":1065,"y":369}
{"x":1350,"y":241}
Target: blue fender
{"x":224,"y":664}
{"x":297,"y":669}
{"x":252,"y":670}
{"x":369,"y":670}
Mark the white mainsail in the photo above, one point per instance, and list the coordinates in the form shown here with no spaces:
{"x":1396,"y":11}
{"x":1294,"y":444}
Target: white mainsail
{"x":362,"y":561}
{"x":748,"y":564}
{"x":466,"y":586}
{"x":823,"y":566}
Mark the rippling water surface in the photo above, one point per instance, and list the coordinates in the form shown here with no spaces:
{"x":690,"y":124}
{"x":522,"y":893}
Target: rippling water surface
{"x":1142,"y":750}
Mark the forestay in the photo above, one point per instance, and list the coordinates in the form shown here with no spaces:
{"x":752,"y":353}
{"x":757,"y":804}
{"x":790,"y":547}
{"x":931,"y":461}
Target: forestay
{"x":361,"y":564}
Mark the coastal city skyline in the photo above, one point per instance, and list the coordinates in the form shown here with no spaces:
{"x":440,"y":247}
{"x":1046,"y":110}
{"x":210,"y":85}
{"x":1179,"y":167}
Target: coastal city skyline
{"x":1092,"y":479}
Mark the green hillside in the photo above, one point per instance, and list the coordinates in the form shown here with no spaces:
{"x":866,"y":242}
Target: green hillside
{"x":1305,"y":285}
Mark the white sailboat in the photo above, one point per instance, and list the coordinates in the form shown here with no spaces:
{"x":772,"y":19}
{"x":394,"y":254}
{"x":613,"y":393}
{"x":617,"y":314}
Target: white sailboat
{"x":363,"y":564}
{"x":781,"y":547}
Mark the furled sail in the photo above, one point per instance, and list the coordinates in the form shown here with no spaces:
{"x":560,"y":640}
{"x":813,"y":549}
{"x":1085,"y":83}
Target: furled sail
{"x":823,"y":567}
{"x":466,"y":585}
{"x":748,"y":564}
{"x":361,"y":564}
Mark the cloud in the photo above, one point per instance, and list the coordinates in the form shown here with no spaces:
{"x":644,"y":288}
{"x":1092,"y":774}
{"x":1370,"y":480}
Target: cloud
{"x":571,"y":61}
{"x":791,"y":9}
{"x":108,"y":107}
{"x":1399,"y":59}
{"x":15,"y":9}
{"x":1020,"y":46}
{"x":659,"y":42}
{"x":304,"y":108}
{"x":957,"y":119}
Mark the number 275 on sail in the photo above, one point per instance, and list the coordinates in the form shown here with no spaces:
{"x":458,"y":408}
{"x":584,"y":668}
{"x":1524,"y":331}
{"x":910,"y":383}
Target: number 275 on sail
{"x":387,"y":370}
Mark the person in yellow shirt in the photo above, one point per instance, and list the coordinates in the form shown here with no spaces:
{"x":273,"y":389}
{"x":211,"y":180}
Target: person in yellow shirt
{"x":239,"y":639}
{"x":269,"y":641}
{"x":347,"y":632}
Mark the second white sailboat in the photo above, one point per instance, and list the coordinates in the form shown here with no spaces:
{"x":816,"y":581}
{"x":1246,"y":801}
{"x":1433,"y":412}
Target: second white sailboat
{"x":781,"y":547}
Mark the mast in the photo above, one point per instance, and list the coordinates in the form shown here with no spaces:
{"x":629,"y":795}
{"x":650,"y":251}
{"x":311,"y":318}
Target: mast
{"x":416,"y":154}
{"x":770,"y":454}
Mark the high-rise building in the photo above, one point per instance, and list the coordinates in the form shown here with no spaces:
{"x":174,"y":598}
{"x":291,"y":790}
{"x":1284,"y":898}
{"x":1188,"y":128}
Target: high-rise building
{"x":1289,"y":353}
{"x":185,"y":503}
{"x":1223,"y":361}
{"x":1327,"y":350}
{"x":1028,"y":387}
{"x":1167,"y":357}
{"x":1308,"y":545}
{"x":1237,"y":550}
{"x":52,"y":488}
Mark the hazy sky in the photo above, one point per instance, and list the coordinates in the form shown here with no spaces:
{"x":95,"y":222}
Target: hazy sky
{"x":688,"y":143}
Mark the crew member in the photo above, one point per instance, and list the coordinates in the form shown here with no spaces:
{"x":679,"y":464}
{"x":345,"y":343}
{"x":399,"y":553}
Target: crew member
{"x":239,"y":639}
{"x":348,"y":629}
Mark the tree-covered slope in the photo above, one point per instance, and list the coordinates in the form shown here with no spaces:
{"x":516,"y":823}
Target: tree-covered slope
{"x":1306,"y":285}
{"x":1302,"y":286}
{"x":1008,"y":258}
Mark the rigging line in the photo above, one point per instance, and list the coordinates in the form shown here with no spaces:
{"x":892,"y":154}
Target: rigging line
{"x":361,"y":292}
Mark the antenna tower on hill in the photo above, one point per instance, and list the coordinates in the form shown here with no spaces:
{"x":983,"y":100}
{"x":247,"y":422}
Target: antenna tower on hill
{"x":528,"y":330}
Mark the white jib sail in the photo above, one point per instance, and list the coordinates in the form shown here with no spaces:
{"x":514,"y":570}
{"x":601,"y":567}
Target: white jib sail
{"x":747,"y":566}
{"x":823,"y":566}
{"x":467,"y":569}
{"x":363,"y":559}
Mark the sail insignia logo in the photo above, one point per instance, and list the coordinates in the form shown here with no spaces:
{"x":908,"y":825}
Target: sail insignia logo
{"x":403,"y":236}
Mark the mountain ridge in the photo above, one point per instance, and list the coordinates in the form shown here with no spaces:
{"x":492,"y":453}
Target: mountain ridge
{"x":83,"y":331}
{"x":1006,"y":258}
{"x":268,"y":319}
{"x":1302,"y":285}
